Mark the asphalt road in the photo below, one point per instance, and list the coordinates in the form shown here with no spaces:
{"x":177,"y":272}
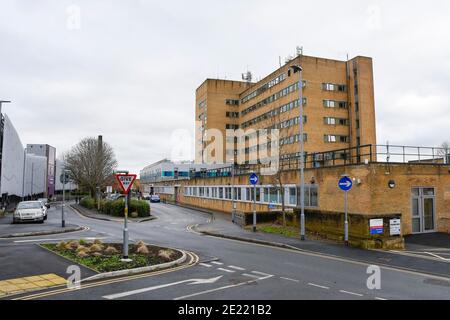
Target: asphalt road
{"x":234,"y":270}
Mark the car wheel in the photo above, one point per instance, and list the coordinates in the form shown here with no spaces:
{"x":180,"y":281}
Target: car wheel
{"x":45,"y":218}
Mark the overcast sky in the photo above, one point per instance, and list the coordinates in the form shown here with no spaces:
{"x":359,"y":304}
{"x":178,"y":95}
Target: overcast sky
{"x":129,"y":69}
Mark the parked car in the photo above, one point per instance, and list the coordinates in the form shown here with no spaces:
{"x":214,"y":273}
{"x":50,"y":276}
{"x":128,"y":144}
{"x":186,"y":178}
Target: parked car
{"x":45,"y":206}
{"x":154,"y":198}
{"x":114,"y":196}
{"x":46,"y":202}
{"x":29,"y":211}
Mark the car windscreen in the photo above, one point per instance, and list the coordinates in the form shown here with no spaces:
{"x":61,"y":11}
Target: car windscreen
{"x":29,"y":205}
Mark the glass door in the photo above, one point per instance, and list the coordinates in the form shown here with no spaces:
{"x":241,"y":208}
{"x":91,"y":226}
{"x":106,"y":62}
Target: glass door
{"x":423,"y":210}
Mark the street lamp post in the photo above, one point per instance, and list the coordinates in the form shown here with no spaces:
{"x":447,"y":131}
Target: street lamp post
{"x":299,"y":69}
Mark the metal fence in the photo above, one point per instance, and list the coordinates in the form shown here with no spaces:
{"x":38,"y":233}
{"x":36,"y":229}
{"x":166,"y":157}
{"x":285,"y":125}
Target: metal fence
{"x":358,"y":155}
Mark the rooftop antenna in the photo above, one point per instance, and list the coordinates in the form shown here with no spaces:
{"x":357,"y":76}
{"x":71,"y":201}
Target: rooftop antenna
{"x":248,"y":76}
{"x":299,"y":51}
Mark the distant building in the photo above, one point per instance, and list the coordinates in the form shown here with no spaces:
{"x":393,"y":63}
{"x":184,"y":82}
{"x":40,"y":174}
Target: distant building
{"x":45,"y":150}
{"x":11,"y":160}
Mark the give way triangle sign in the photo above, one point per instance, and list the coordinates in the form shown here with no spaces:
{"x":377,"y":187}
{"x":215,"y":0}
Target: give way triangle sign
{"x":126,"y":181}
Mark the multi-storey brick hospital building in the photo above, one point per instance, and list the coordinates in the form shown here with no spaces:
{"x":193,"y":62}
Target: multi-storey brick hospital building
{"x":410,"y":183}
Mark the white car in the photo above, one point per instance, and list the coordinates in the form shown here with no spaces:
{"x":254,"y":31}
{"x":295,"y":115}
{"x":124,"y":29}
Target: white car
{"x":45,"y":206}
{"x":29,"y":211}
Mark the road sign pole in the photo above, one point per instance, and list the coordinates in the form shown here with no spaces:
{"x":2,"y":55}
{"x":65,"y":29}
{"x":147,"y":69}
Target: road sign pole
{"x":63,"y":220}
{"x":254,"y":208}
{"x":125,"y":231}
{"x":346,"y":219}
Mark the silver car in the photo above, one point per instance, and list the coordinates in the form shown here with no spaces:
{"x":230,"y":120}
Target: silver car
{"x":29,"y":211}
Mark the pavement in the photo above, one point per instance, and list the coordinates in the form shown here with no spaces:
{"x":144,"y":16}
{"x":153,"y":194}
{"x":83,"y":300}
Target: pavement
{"x":231,"y":269}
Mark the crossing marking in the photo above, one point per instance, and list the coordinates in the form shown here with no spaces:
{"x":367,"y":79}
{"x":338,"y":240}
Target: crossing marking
{"x":318,"y":286}
{"x":226,"y":270}
{"x":236,"y":268}
{"x":351,"y":293}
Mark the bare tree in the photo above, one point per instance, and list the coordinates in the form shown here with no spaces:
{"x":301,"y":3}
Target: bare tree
{"x":91,"y":164}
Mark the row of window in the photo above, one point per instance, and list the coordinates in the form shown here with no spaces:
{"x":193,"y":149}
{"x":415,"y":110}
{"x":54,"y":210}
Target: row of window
{"x":335,"y":104}
{"x":336,"y":121}
{"x":331,"y":138}
{"x":293,"y":139}
{"x":284,"y":108}
{"x":232,"y":126}
{"x":230,"y":114}
{"x":231,"y":102}
{"x":263,"y":194}
{"x":334,"y":87}
{"x":272,"y":98}
{"x":264,"y":88}
{"x":202,"y":104}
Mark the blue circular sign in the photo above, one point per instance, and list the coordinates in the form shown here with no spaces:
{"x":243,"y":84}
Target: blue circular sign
{"x":345,"y":184}
{"x":254,"y":179}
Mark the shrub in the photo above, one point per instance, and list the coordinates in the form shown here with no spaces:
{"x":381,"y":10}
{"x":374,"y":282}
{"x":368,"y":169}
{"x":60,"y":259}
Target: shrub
{"x":83,"y":242}
{"x":141,"y":207}
{"x":61,"y":245}
{"x":111,"y":250}
{"x":97,"y":254}
{"x":81,"y":248}
{"x":73,"y":245}
{"x":166,"y":254}
{"x":95,"y":248}
{"x":88,"y":203}
{"x":140,"y":243}
{"x":134,"y":214}
{"x":82,"y":254}
{"x":142,"y":250}
{"x":98,"y":241}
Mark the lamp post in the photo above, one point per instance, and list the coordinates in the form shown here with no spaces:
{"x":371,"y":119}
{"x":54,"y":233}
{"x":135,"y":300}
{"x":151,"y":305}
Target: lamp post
{"x":299,"y":69}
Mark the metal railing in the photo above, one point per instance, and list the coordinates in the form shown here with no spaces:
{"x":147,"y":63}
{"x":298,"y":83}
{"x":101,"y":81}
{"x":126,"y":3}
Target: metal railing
{"x":342,"y":157}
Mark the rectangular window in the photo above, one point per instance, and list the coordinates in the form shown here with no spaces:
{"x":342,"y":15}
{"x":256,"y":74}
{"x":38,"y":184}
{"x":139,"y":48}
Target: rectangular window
{"x":220,"y":193}
{"x":293,"y":196}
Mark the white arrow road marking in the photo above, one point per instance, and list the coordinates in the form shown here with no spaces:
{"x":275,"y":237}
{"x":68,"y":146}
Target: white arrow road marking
{"x":223,"y":288}
{"x":133,"y":292}
{"x":217,"y":263}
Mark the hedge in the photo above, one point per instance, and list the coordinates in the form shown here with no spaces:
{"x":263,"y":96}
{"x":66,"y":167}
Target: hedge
{"x":117,"y":208}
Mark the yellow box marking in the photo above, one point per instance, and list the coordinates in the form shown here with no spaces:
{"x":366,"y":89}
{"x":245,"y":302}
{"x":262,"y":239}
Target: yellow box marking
{"x":17,"y":281}
{"x":30,"y":283}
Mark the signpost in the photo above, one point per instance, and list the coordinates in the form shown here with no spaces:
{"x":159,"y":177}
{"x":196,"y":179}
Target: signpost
{"x":376,"y":226}
{"x":395,"y":227}
{"x":346,"y":184}
{"x":254,"y":179}
{"x":125,"y":182}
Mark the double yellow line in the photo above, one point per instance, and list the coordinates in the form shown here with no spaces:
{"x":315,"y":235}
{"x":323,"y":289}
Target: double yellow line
{"x":193,"y":260}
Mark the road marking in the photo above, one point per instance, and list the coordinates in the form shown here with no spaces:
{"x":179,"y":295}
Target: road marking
{"x":351,"y":293}
{"x":289,"y":279}
{"x":59,"y":239}
{"x":236,"y":268}
{"x":193,"y":261}
{"x":222,"y":288}
{"x":318,"y":286}
{"x":139,"y":291}
{"x":251,"y":276}
{"x":262,"y":273}
{"x":378,"y":298}
{"x":437,"y":256}
{"x":217,"y":263}
{"x":205,"y":265}
{"x":226,"y":270}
